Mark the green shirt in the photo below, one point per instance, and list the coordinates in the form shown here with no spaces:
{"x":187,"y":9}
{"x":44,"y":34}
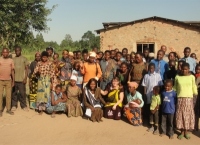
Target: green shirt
{"x":20,"y":64}
{"x":155,"y":101}
{"x":185,"y":86}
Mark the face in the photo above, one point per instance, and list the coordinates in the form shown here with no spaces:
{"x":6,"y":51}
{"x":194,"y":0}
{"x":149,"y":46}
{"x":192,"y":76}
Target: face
{"x":92,"y":85}
{"x":37,"y":57}
{"x":146,"y":53}
{"x":185,"y":70}
{"x":85,"y":56}
{"x":163,"y":48}
{"x":160,"y":55}
{"x":124,"y":53}
{"x":17,"y":51}
{"x":132,"y":58}
{"x":118,"y":56}
{"x":131,"y":89}
{"x":65,"y":54}
{"x":171,"y":56}
{"x":78,"y":55}
{"x":50,"y":52}
{"x":72,"y":82}
{"x":112,"y":54}
{"x":5,"y":53}
{"x":44,"y":58}
{"x":77,"y":66}
{"x":168,"y":86}
{"x":180,"y":65}
{"x":116,"y":50}
{"x":155,"y":91}
{"x":193,"y":56}
{"x":187,"y":52}
{"x":100,"y":55}
{"x":107,"y":56}
{"x":138,"y":58}
{"x":123,"y":68}
{"x":172,"y":65}
{"x":115,"y":83}
{"x":151,"y":69}
{"x":95,"y":50}
{"x":128,"y":58}
{"x":55,"y":57}
{"x":74,"y":55}
{"x":91,"y":59}
{"x":58,"y":90}
{"x":197,"y":70}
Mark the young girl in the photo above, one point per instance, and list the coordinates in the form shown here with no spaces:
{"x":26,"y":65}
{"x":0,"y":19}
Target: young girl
{"x":186,"y":88}
{"x":57,"y":101}
{"x":154,"y":108}
{"x":76,"y":72}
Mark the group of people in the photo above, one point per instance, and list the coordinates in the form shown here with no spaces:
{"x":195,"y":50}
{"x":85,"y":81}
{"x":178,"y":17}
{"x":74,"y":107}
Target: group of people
{"x":159,"y":91}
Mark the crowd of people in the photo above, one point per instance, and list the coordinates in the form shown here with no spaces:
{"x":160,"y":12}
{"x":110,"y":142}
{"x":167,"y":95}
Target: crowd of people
{"x":158,"y":91}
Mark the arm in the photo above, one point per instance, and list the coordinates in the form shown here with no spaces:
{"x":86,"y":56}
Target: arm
{"x":26,"y":74}
{"x":82,"y":69}
{"x":53,"y":102}
{"x":104,"y":93}
{"x":64,"y":98}
{"x":194,"y":86}
{"x":121,"y":97}
{"x":13,"y":77}
{"x":142,"y":102}
{"x":99,"y":74}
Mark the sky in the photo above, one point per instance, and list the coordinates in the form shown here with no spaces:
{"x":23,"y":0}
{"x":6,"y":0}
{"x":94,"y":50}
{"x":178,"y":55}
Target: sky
{"x":75,"y":17}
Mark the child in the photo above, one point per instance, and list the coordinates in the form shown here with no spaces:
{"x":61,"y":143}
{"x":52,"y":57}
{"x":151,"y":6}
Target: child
{"x":197,"y":99}
{"x":185,"y":87}
{"x":180,"y":63}
{"x":171,"y":74}
{"x":154,"y":115}
{"x":57,"y":101}
{"x":161,"y":66}
{"x":168,"y":99}
{"x":76,"y":72}
{"x":149,"y":81}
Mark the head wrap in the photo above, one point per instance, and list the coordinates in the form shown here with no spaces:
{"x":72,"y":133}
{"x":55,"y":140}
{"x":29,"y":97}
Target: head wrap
{"x":133,"y":84}
{"x":73,"y":77}
{"x":71,"y":53}
{"x":93,"y":54}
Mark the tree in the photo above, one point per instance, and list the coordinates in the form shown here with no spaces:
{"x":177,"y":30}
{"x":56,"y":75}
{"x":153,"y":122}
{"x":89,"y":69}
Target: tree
{"x":67,"y":43}
{"x":89,"y":40}
{"x":18,"y":18}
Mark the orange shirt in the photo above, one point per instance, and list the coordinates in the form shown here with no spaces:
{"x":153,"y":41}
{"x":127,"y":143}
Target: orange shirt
{"x":6,"y":67}
{"x":91,"y":71}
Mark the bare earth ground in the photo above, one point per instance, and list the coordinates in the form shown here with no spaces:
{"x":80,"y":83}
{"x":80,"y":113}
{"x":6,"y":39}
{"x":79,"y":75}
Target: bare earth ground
{"x":29,"y":128}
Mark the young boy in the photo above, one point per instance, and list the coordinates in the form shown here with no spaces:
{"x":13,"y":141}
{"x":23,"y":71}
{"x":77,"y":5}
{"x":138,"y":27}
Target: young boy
{"x":150,"y":80}
{"x":161,"y":66}
{"x":168,"y":99}
{"x":188,"y":59}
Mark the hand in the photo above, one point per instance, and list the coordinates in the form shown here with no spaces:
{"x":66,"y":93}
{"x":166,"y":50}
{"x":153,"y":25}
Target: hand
{"x":13,"y":84}
{"x":114,"y":107}
{"x":25,"y":81}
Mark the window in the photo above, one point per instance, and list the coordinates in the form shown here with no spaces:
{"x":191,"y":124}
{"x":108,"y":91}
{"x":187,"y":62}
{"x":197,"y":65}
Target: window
{"x":141,"y":46}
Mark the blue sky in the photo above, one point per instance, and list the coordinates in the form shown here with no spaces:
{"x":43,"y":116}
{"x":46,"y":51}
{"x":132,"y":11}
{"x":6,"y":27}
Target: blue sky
{"x":75,"y":17}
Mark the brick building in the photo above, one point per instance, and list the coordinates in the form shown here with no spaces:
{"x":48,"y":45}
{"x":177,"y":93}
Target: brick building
{"x":151,"y":32}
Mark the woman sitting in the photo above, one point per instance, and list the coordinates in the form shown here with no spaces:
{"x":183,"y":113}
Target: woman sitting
{"x":57,"y":102}
{"x":92,"y":100}
{"x":73,"y":96}
{"x":133,"y":107}
{"x":115,"y":96}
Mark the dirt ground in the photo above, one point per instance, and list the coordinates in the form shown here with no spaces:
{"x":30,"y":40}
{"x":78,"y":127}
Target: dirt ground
{"x":29,"y":128}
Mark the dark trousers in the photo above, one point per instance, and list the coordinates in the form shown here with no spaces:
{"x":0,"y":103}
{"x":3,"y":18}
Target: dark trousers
{"x":154,"y":118}
{"x":21,"y":87}
{"x":145,"y":114}
{"x":167,"y":124}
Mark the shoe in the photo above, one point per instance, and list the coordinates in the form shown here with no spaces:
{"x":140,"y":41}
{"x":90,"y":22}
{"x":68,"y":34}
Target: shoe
{"x":13,"y":108}
{"x":10,"y":112}
{"x":150,"y":129}
{"x":155,"y":132}
{"x":171,"y":137}
{"x":25,"y":109}
{"x":1,"y":113}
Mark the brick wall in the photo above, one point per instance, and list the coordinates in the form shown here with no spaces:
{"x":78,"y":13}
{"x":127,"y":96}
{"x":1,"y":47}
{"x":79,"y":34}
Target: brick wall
{"x":159,"y":32}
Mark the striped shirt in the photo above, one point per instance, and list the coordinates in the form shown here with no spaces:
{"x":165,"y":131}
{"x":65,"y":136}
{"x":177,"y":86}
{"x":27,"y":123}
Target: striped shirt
{"x":6,"y":67}
{"x":150,"y":81}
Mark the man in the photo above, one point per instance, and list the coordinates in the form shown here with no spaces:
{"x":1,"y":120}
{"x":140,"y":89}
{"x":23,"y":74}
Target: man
{"x":124,"y":54}
{"x":147,"y":59}
{"x":21,"y":74}
{"x":6,"y":80}
{"x":164,"y":49}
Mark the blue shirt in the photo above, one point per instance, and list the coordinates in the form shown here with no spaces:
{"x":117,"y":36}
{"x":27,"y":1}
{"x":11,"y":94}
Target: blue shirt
{"x":149,"y":81}
{"x":161,"y":67}
{"x":192,"y":63}
{"x":168,"y":101}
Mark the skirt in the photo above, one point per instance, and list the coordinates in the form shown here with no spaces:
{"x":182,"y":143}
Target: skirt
{"x":73,"y":107}
{"x":57,"y":108}
{"x":32,"y":101}
{"x":133,"y":116}
{"x":112,"y":114}
{"x":97,"y":114}
{"x":185,"y":118}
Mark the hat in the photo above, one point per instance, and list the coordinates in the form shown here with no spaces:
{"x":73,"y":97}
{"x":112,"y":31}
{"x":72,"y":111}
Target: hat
{"x":71,"y":53}
{"x":151,"y":54}
{"x":93,"y":54}
{"x":73,"y":77}
{"x":133,"y":84}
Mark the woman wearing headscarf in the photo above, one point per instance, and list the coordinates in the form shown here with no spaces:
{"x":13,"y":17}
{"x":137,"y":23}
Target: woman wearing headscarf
{"x":134,"y":105}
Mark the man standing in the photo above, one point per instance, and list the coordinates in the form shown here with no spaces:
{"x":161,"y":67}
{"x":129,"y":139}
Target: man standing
{"x":6,"y":80}
{"x":21,"y":73}
{"x":164,"y":49}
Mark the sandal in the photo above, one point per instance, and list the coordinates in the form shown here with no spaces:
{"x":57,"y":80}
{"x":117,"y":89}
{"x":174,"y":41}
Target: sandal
{"x":180,"y":136}
{"x":187,"y":136}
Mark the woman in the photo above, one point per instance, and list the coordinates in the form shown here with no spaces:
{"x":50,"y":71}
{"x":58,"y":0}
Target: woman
{"x":92,"y":100}
{"x":73,"y":96}
{"x":44,"y":69}
{"x":33,"y":80}
{"x":138,"y":70}
{"x":114,"y":99}
{"x":57,"y":102}
{"x":133,"y":112}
